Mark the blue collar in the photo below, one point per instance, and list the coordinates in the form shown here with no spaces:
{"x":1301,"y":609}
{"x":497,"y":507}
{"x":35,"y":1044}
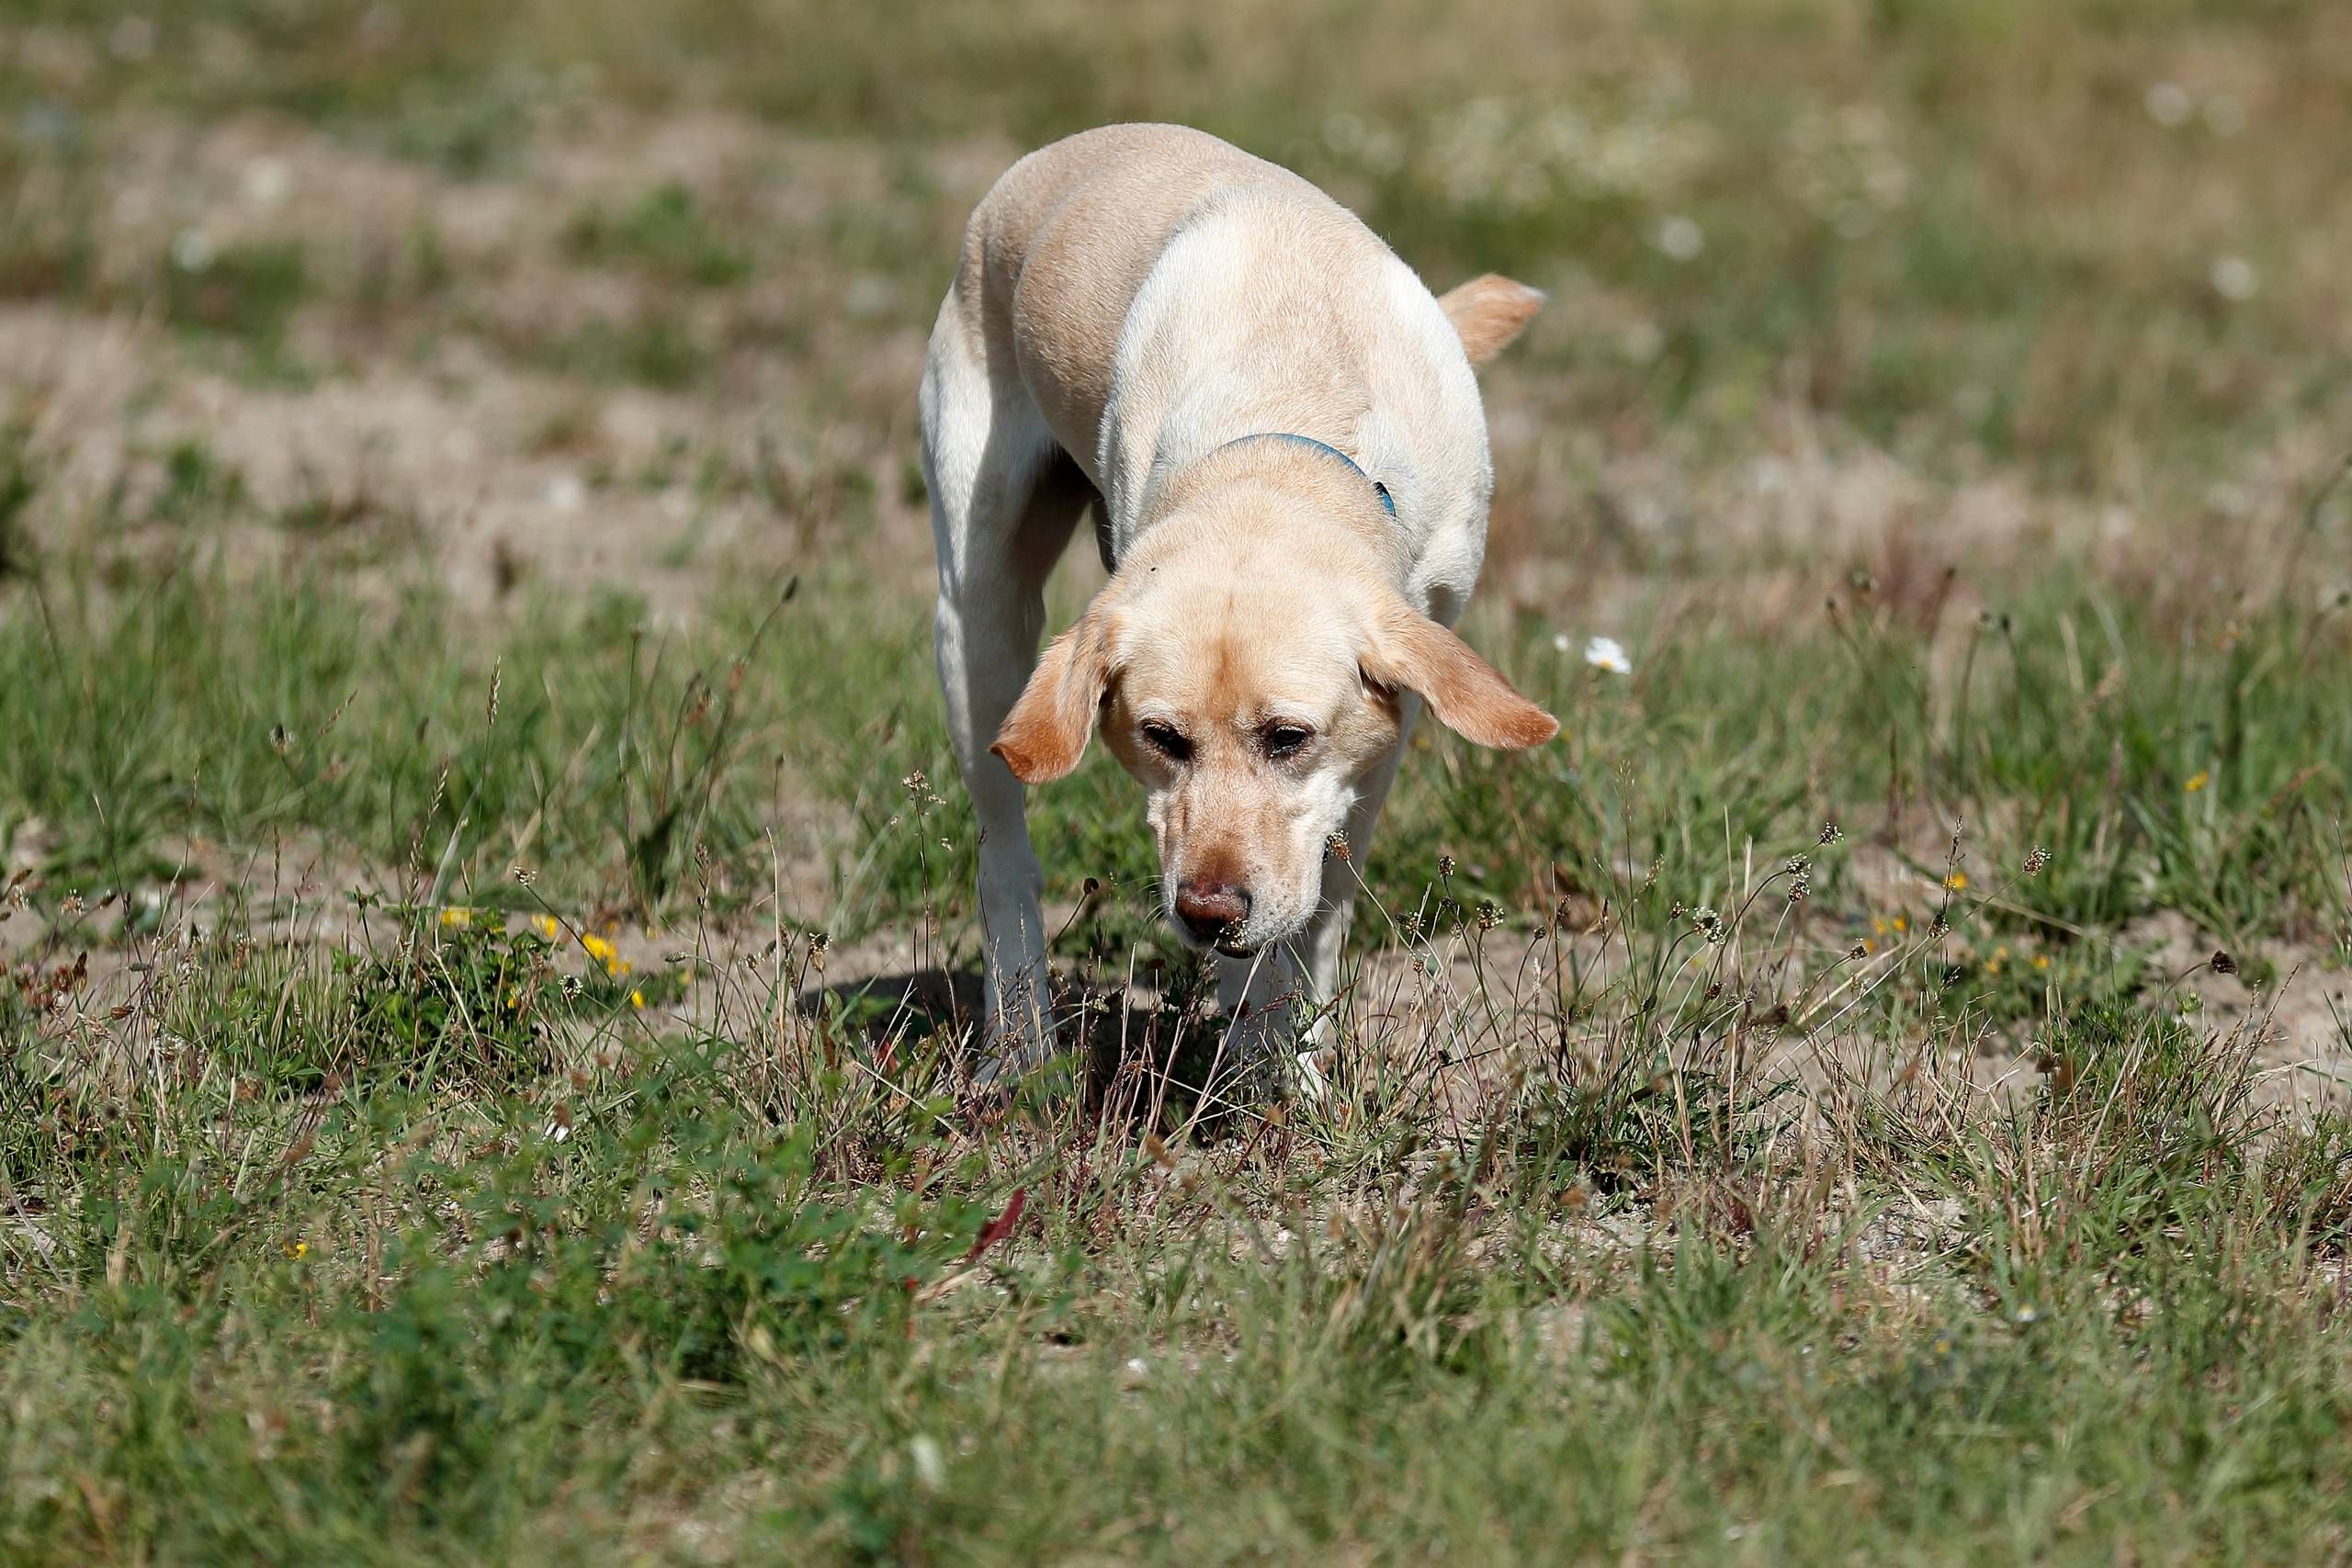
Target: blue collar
{"x":1386,"y":501}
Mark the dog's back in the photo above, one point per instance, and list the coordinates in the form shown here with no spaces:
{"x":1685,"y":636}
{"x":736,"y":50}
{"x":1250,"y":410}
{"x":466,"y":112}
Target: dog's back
{"x":1056,"y":253}
{"x":1238,"y":296}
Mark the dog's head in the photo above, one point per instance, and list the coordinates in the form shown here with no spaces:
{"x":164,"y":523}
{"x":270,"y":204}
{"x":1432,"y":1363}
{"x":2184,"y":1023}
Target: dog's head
{"x":1252,"y":686}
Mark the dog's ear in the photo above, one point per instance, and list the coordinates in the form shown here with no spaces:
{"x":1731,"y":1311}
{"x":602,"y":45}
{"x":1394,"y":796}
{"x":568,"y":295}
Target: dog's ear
{"x":1487,"y":312}
{"x":1468,"y":695}
{"x":1046,"y":733}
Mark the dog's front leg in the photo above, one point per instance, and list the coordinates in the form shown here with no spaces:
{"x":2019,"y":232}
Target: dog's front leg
{"x":984,"y":649}
{"x":1324,"y":943}
{"x":980,"y":667}
{"x":1261,"y":996}
{"x":1255,"y":997}
{"x":998,"y":527}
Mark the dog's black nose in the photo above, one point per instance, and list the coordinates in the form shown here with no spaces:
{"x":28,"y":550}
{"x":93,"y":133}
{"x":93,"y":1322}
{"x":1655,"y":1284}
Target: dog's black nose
{"x":1208,"y":908}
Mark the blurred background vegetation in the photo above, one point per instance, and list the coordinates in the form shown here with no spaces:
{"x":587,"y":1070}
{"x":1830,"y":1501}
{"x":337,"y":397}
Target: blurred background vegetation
{"x":2100,"y":241}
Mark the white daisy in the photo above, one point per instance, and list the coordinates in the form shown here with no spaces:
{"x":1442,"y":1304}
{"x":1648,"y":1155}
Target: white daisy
{"x":1607,"y":653}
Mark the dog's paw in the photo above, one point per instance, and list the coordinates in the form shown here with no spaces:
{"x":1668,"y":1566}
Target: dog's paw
{"x":1001,"y":1058}
{"x":1307,"y":1083}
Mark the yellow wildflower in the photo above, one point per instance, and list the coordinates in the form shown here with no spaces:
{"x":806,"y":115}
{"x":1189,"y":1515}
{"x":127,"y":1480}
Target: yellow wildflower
{"x":456,"y":916}
{"x":300,"y":1249}
{"x":2042,"y":961}
{"x":1901,"y":924}
{"x":2197,"y":781}
{"x":637,"y":998}
{"x":1957,"y":882}
{"x":598,"y":948}
{"x":546,"y":926}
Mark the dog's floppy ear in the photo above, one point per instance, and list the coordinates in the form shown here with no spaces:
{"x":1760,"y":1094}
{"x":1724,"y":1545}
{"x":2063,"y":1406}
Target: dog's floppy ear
{"x":1468,"y":695}
{"x":1046,"y":733}
{"x":1487,"y":312}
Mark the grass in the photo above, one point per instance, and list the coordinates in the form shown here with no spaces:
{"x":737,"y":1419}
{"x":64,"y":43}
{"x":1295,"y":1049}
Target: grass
{"x":443,"y":1241}
{"x":461,"y":1092}
{"x":2159,"y":774}
{"x":685,"y":1296}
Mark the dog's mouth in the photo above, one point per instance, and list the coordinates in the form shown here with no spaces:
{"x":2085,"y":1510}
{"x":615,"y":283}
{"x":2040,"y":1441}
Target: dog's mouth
{"x":1227,"y":944}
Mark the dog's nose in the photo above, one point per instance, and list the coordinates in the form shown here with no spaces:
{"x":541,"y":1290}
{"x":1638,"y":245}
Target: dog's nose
{"x":1207,"y":909}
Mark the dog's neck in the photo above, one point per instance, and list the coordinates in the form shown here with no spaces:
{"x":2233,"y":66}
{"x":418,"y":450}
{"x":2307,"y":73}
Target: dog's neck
{"x":1325,"y":449}
{"x":1163,"y":434}
{"x":1316,"y":504}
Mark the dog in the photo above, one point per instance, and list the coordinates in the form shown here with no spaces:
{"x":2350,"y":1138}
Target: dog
{"x":1277,"y":429}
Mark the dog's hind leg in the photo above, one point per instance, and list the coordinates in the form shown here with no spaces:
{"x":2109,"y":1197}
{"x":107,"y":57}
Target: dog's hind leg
{"x":1004,"y":499}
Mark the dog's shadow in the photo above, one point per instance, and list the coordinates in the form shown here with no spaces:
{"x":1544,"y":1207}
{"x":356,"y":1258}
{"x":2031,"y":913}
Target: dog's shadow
{"x":1115,"y":1039}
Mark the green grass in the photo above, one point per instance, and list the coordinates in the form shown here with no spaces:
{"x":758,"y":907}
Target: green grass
{"x":700,"y":1292}
{"x":324,"y":1279}
{"x":664,"y":233}
{"x":2205,"y":773}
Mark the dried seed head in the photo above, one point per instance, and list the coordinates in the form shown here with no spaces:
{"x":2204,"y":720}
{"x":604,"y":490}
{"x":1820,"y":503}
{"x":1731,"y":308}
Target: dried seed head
{"x":1832,"y":834}
{"x":525,"y":875}
{"x":1336,"y":846}
{"x":2222,"y":962}
{"x":2037,"y":860}
{"x":1490,"y":915}
{"x":1856,"y":953}
{"x":1444,"y":866}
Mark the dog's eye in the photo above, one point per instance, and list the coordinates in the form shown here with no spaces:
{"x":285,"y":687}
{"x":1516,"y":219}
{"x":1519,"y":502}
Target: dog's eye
{"x":1285,"y":739}
{"x":1164,"y":739}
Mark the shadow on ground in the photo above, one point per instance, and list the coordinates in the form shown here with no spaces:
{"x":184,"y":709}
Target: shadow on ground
{"x":1124,"y":1043}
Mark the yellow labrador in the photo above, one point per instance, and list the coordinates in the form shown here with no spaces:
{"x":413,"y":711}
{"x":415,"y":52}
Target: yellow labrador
{"x":1279,"y":432}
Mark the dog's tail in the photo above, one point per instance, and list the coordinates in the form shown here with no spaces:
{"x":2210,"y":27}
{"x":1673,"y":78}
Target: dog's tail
{"x":1488,"y":311}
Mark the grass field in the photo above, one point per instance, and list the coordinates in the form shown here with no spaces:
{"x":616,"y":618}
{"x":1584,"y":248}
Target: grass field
{"x":487,"y":910}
